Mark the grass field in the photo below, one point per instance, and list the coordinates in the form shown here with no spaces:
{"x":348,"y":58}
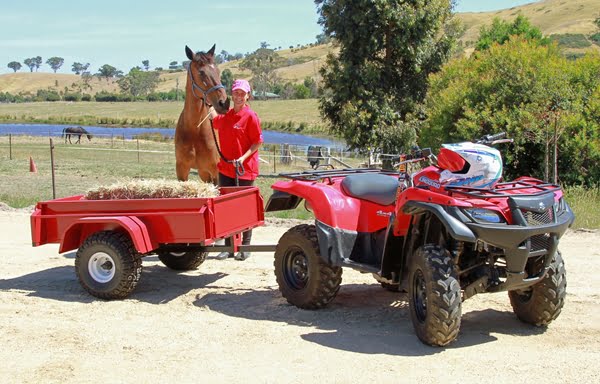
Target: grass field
{"x":105,"y":161}
{"x":301,"y":116}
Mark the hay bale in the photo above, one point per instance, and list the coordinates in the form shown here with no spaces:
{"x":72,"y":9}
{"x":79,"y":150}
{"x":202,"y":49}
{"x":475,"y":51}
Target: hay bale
{"x":152,"y":189}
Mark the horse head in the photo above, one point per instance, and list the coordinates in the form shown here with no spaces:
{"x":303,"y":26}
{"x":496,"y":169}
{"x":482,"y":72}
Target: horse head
{"x":205,"y":79}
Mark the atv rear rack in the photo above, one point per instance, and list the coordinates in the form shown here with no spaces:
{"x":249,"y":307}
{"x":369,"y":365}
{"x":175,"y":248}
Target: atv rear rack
{"x":525,"y":186}
{"x":317,"y":175}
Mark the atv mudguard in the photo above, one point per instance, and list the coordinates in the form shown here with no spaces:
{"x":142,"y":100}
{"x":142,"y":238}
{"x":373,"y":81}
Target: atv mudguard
{"x":454,"y":227}
{"x":329,"y":205}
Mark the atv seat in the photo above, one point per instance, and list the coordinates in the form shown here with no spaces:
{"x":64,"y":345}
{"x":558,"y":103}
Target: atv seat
{"x":376,"y":188}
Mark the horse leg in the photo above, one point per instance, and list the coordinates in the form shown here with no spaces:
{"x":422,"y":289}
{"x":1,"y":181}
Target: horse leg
{"x":78,"y":139}
{"x":206,"y":164}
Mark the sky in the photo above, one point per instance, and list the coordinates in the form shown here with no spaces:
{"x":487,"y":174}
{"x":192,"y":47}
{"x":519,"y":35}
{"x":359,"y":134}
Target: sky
{"x":123,"y":33}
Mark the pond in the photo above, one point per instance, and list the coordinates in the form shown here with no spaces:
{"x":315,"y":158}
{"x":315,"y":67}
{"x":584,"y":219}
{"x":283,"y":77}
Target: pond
{"x":270,"y":137}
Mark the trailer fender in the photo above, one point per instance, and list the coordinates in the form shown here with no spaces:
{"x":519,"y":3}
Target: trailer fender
{"x":455,"y":227}
{"x":76,"y":234}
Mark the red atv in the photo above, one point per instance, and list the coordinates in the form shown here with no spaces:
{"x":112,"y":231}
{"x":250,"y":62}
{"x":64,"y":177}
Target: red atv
{"x":443,"y":234}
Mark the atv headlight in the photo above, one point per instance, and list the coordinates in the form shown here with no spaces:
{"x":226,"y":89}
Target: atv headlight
{"x":482,"y":215}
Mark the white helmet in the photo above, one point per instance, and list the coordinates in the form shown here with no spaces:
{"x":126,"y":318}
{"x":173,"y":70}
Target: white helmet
{"x":484,"y":166}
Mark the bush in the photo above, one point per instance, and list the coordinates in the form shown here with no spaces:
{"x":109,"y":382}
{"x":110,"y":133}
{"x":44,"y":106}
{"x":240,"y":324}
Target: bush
{"x":72,"y":96}
{"x":86,"y":97}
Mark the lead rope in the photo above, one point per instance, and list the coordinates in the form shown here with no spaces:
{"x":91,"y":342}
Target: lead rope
{"x":239,"y":167}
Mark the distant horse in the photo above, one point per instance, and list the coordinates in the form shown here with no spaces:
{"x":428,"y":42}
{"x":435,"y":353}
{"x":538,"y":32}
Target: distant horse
{"x":195,"y":146}
{"x":75,"y":131}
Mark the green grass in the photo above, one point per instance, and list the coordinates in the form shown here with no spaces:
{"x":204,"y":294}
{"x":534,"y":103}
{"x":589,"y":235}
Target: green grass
{"x":585,"y":203}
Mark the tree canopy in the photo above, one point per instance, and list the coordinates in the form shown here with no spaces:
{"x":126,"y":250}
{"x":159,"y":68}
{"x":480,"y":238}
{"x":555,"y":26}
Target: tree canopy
{"x":55,"y":63}
{"x":548,"y":104}
{"x":138,"y":82}
{"x":14,"y":65}
{"x":500,"y":31}
{"x":373,"y":87}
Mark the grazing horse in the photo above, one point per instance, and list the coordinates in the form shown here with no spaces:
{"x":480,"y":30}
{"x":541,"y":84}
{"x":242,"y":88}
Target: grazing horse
{"x":75,"y":131}
{"x":195,"y":146}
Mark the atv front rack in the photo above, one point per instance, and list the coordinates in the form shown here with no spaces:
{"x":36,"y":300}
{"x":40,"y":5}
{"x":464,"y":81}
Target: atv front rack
{"x":317,"y":175}
{"x":524,"y":186}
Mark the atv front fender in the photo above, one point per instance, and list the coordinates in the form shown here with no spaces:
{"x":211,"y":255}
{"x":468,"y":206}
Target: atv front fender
{"x":455,"y":227}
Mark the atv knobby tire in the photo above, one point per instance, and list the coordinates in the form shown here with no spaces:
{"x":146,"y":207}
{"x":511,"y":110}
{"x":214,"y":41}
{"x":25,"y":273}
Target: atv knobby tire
{"x":304,"y":279}
{"x":108,"y":265}
{"x":543,"y":302}
{"x":182,"y":261}
{"x":434,"y":295}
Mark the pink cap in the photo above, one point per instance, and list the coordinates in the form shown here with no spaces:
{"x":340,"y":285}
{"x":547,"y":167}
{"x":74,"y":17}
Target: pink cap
{"x":241,"y":84}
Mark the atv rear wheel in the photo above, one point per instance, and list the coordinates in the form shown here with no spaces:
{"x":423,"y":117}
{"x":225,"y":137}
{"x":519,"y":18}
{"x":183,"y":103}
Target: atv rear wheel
{"x":434,"y":296}
{"x":543,"y":302}
{"x":182,"y":261}
{"x":108,"y":265}
{"x":304,"y":279}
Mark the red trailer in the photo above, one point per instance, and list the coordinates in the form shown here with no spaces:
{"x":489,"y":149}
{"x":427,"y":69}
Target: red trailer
{"x":112,"y":236}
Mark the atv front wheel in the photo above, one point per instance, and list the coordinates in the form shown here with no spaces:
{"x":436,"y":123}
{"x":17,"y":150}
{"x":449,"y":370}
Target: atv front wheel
{"x":543,"y":302}
{"x":108,"y":265}
{"x":304,"y":279}
{"x":434,"y":296}
{"x":182,"y":261}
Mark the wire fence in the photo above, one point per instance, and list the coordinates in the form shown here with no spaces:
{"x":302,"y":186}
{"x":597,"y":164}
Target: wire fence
{"x":114,"y":150}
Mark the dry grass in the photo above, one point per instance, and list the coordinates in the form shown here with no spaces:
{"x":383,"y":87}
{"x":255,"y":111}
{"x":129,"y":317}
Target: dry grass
{"x":551,"y":16}
{"x":152,"y":189}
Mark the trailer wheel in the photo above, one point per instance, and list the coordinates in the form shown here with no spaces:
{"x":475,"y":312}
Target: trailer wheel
{"x":182,"y":261}
{"x":434,"y":296}
{"x":108,"y":265}
{"x":543,"y":302}
{"x":304,"y":279}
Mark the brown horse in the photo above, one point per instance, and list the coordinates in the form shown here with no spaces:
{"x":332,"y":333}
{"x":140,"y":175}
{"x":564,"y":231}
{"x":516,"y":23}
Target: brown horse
{"x":195,"y":146}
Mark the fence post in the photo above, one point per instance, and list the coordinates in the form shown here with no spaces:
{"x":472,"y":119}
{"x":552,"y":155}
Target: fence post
{"x":52,"y":169}
{"x":10,"y":146}
{"x":274,"y":159}
{"x":138,"y":149}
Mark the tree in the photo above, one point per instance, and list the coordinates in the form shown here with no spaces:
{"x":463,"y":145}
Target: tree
{"x":262,"y":63}
{"x":38,"y":62}
{"x":173,"y":65}
{"x":79,"y":68}
{"x":387,"y":50}
{"x":146,"y":64}
{"x":30,"y":62}
{"x":138,"y":82}
{"x":55,"y":63}
{"x":227,"y":79}
{"x":108,"y":72}
{"x":14,"y":65}
{"x":500,"y":31}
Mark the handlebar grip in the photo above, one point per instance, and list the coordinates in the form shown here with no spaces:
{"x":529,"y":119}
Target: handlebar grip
{"x":497,"y":136}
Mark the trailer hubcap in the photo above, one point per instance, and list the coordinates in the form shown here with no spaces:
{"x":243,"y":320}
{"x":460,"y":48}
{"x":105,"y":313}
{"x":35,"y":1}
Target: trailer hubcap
{"x":419,"y":296}
{"x":101,"y":267}
{"x":296,"y":269}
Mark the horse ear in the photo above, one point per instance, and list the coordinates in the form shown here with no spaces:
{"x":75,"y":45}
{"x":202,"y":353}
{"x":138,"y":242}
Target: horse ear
{"x":211,"y":52}
{"x":189,"y":53}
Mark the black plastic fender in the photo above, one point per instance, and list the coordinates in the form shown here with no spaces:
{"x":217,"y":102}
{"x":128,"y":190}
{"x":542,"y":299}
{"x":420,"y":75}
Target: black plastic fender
{"x":458,"y":230}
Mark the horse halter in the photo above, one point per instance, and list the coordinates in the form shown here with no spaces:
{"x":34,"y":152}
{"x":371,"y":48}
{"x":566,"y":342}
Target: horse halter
{"x":204,"y":93}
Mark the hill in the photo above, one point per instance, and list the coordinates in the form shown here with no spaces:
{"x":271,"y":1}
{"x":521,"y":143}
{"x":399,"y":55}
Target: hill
{"x":553,"y":17}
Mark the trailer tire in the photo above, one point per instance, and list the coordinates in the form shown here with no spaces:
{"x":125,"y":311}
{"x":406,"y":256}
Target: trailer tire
{"x":304,"y":278}
{"x":434,"y":296}
{"x":182,"y":261}
{"x":543,"y":302}
{"x":107,"y":265}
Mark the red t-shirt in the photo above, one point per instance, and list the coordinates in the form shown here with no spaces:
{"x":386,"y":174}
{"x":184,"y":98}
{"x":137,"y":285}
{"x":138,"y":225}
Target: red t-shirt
{"x":237,"y":133}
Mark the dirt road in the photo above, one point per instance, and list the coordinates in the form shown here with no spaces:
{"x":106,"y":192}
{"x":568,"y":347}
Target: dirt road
{"x":227,"y":323}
